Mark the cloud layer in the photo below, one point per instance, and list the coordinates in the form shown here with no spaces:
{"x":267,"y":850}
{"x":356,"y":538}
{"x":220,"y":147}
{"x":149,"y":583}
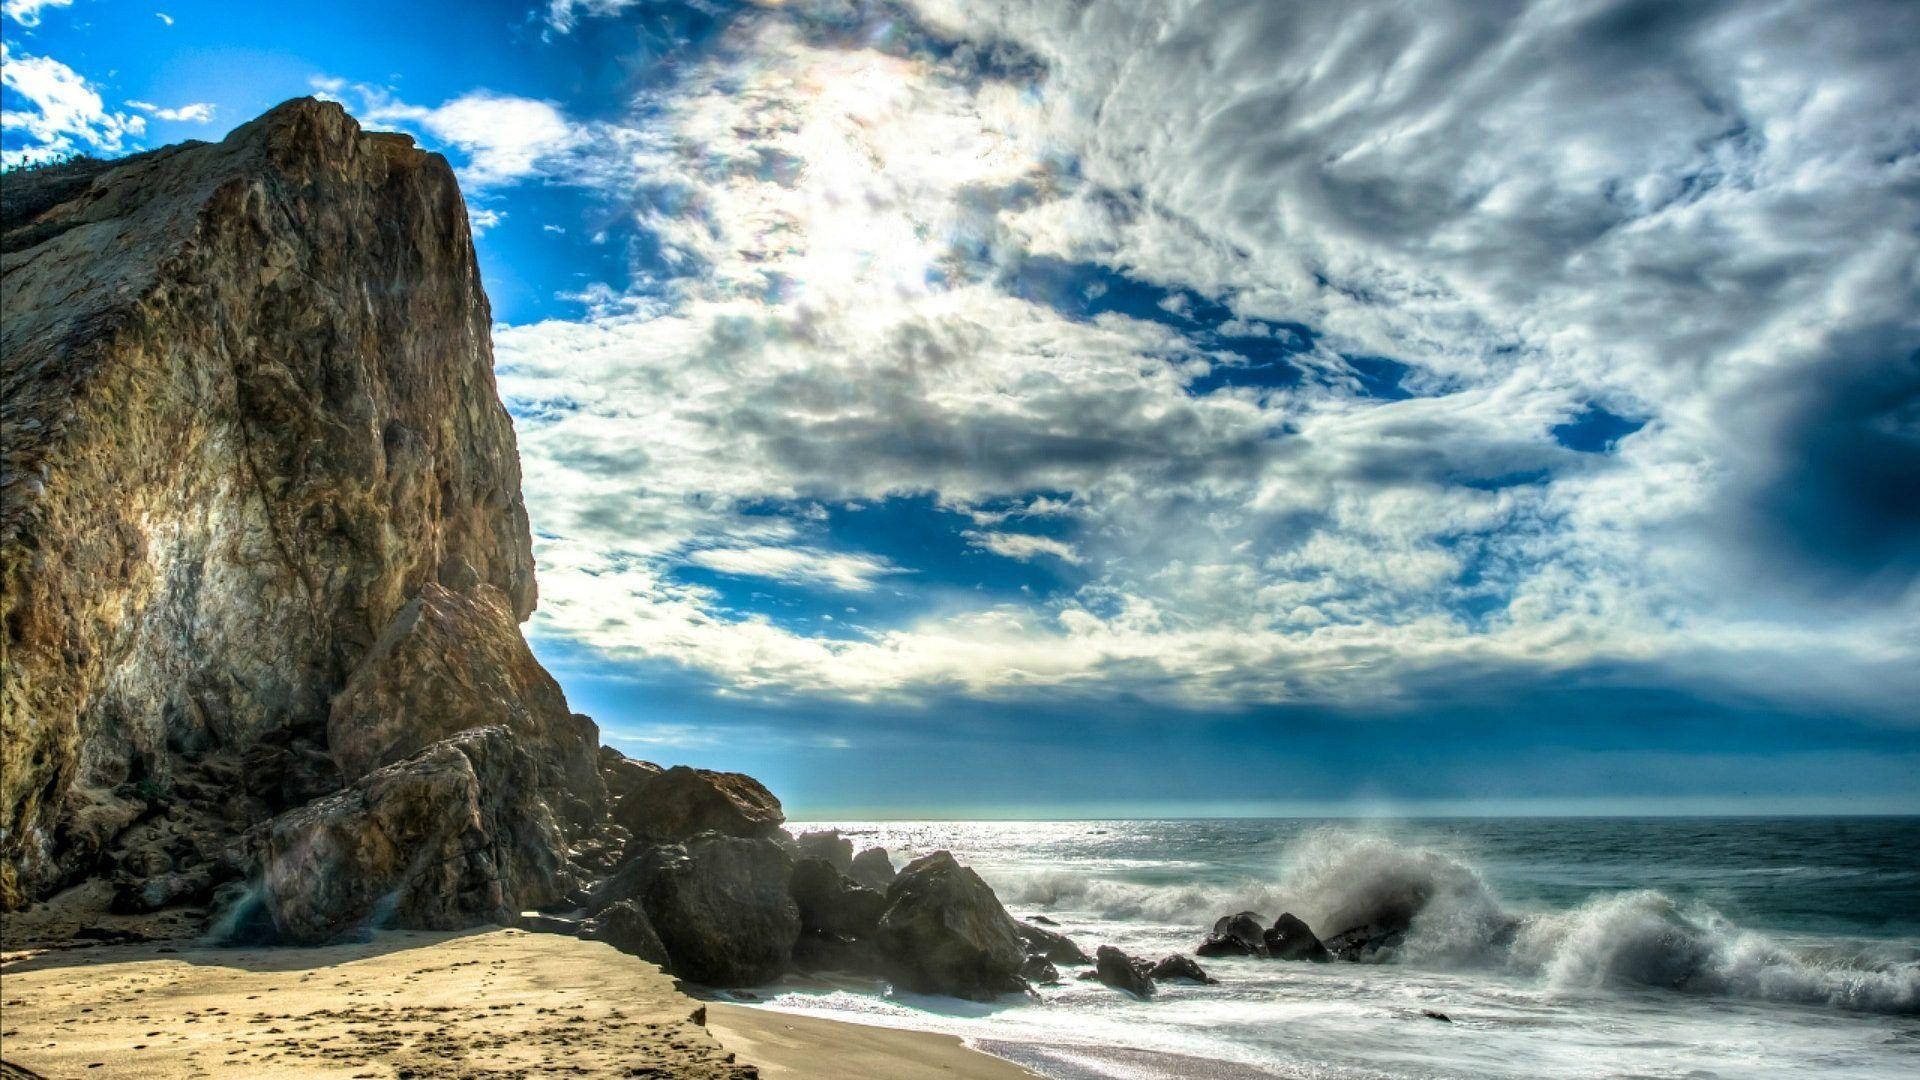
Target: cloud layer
{"x":1339,"y":350}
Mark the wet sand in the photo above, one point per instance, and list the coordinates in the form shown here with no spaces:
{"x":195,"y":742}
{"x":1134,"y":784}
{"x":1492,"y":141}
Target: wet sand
{"x":494,"y":1004}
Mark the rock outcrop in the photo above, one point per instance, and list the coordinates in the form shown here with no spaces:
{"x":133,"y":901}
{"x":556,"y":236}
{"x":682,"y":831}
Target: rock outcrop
{"x":626,"y":927}
{"x":454,"y":660}
{"x":1290,"y":938}
{"x":1053,"y":945}
{"x":721,"y":906}
{"x":827,"y":845}
{"x":1180,"y":966}
{"x":873,"y":869}
{"x":1235,"y":935}
{"x":683,"y":802}
{"x":452,"y":836}
{"x":1122,"y":972}
{"x":944,"y":932}
{"x":248,"y":414}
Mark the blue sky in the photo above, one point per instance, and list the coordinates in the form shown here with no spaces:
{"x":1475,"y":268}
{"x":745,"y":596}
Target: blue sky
{"x":1239,"y":407}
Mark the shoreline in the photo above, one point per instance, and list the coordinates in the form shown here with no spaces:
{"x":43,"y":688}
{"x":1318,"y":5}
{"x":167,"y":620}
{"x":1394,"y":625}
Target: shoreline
{"x":487,"y":1002}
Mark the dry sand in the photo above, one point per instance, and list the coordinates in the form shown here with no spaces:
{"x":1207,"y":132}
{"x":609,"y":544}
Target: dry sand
{"x":493,"y":1004}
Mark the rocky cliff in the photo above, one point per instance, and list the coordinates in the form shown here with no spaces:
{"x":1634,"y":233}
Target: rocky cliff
{"x":249,"y":418}
{"x":265,"y":562}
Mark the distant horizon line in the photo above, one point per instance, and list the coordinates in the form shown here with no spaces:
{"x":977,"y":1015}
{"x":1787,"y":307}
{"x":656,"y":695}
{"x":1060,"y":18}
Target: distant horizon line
{"x":816,"y":818}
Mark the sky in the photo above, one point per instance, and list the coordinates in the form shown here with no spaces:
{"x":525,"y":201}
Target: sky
{"x":1048,"y":408}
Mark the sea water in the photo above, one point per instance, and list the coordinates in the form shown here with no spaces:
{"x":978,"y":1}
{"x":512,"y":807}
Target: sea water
{"x":1605,"y":947}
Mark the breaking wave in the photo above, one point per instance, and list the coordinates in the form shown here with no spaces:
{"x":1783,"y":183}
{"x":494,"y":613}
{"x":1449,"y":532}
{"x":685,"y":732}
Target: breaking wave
{"x":1340,"y":879}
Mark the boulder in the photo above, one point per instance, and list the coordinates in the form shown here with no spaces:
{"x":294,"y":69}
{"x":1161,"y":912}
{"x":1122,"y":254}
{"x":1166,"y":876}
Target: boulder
{"x":1290,"y":938}
{"x":452,"y":836}
{"x":1235,"y":935}
{"x":721,"y":906}
{"x":1122,"y":972}
{"x":944,"y":932}
{"x":827,"y":845}
{"x":683,"y":802}
{"x":1180,"y":966}
{"x":1038,"y":969}
{"x":1054,"y":946}
{"x":626,"y":927}
{"x":832,"y":904}
{"x":623,"y":775}
{"x":873,"y":869}
{"x":452,"y":660}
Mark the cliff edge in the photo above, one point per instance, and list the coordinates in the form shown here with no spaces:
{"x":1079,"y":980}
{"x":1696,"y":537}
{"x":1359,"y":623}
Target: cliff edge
{"x":249,"y":416}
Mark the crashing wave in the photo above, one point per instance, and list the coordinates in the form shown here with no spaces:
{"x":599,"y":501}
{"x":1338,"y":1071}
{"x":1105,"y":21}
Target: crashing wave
{"x":1338,"y":879}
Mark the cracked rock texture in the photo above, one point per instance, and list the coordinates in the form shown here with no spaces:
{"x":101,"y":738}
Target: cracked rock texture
{"x":249,"y":416}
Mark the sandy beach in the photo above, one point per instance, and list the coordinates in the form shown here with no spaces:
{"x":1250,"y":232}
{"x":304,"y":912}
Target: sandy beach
{"x":494,"y":1003}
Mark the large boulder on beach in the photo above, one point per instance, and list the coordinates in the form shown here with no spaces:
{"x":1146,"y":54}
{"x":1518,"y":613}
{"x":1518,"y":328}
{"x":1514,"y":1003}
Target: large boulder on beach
{"x":625,"y":926}
{"x":683,"y":802}
{"x":623,"y":775}
{"x":944,"y":932}
{"x":1235,"y":935}
{"x":1290,"y":938}
{"x":873,"y":869}
{"x":456,"y":834}
{"x":452,"y":660}
{"x":721,"y":906}
{"x":831,"y":903}
{"x":1055,"y":946}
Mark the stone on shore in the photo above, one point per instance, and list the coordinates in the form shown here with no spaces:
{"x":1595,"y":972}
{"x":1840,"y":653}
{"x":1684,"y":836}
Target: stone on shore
{"x":452,"y":836}
{"x":1122,"y":972}
{"x":1180,"y":966}
{"x":626,"y":927}
{"x":1290,"y":938}
{"x":831,"y":903}
{"x":944,"y":932}
{"x":1055,"y":946}
{"x":721,"y":907}
{"x":1235,"y":935}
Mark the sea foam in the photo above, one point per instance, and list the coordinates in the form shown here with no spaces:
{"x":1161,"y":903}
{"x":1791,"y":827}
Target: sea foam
{"x":1340,"y":878}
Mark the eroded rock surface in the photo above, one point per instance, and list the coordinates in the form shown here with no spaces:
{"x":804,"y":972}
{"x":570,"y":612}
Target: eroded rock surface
{"x":683,"y":802}
{"x":454,"y":835}
{"x":453,"y":660}
{"x":248,"y":414}
{"x":944,"y":932}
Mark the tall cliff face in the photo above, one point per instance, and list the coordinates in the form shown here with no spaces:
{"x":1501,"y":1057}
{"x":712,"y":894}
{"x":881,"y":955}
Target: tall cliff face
{"x":248,"y":414}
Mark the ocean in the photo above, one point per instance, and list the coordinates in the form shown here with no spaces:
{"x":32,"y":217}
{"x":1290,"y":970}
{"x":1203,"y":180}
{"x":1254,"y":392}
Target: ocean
{"x":1556,"y":947}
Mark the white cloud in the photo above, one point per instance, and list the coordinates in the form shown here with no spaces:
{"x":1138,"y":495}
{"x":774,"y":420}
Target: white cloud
{"x":562,"y":15}
{"x":1534,"y":213}
{"x":62,"y":113}
{"x":852,"y":573}
{"x":480,"y":219}
{"x":27,"y":12}
{"x":163,"y":17}
{"x":503,"y":138}
{"x":1023,"y":546}
{"x":198,"y":112}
